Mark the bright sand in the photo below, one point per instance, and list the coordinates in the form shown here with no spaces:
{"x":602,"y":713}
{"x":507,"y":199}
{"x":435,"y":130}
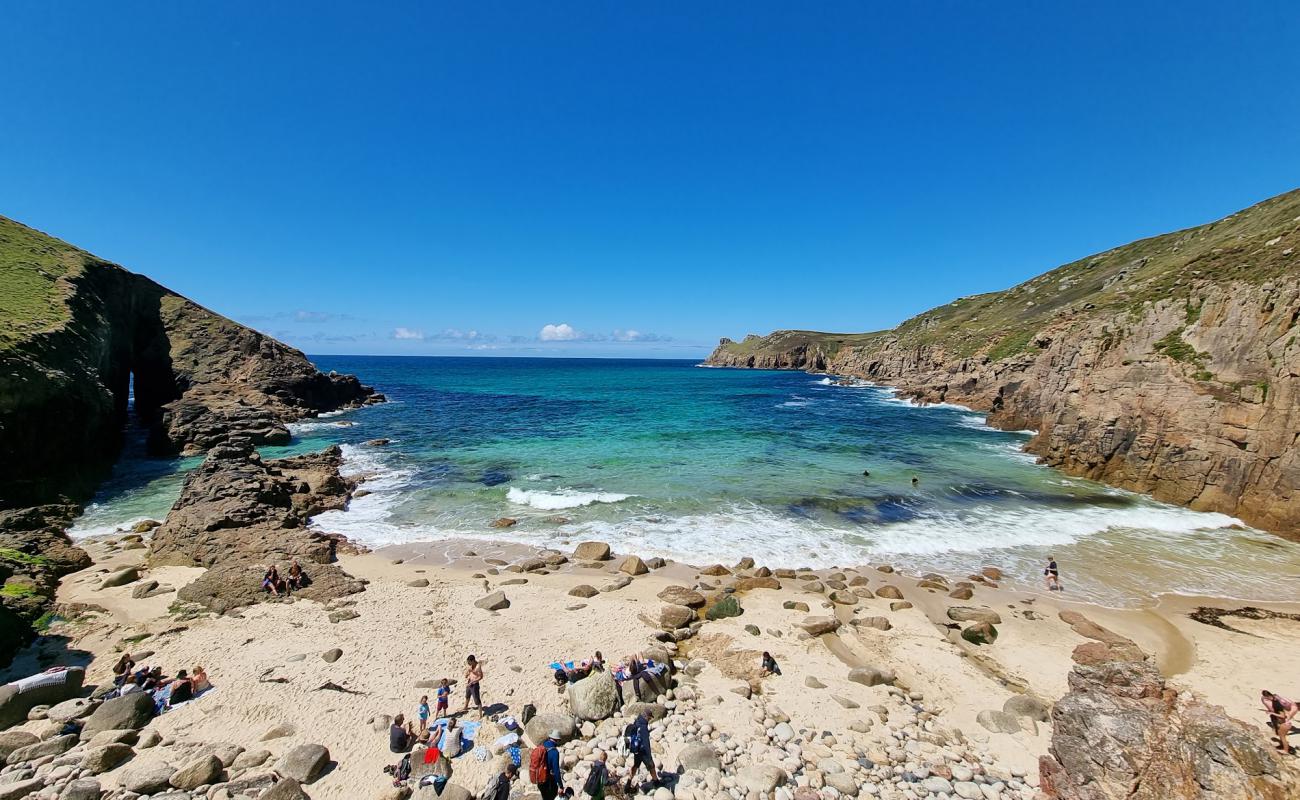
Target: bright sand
{"x":405,"y":634}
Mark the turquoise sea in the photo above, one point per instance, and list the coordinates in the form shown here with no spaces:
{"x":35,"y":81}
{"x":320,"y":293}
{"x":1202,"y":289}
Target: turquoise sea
{"x":668,"y":458}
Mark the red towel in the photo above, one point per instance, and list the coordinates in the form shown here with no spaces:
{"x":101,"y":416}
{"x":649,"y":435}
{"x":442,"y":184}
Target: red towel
{"x":431,"y":755}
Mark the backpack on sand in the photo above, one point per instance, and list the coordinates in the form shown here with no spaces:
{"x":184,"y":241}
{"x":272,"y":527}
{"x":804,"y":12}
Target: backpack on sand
{"x":538,"y":773}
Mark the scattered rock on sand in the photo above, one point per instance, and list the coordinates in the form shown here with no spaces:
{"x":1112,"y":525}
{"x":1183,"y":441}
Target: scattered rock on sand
{"x":961,"y":593}
{"x":890,"y":592}
{"x":672,"y":617}
{"x":493,"y":602}
{"x":756,"y":582}
{"x":899,"y":605}
{"x":998,"y":721}
{"x":343,"y":615}
{"x":879,"y":623}
{"x":682,"y":596}
{"x":1025,"y":705}
{"x":330,"y":656}
{"x":289,"y":789}
{"x":871,"y":676}
{"x":968,"y":614}
{"x":633,"y":565}
{"x":795,"y":605}
{"x":715,"y":569}
{"x":142,"y":589}
{"x":418,"y":583}
{"x":106,"y":757}
{"x":812,"y":683}
{"x":728,"y":606}
{"x":591,"y":551}
{"x":303,"y":763}
{"x":583,"y":590}
{"x":618,"y":583}
{"x":980,"y":633}
{"x":816,"y":626}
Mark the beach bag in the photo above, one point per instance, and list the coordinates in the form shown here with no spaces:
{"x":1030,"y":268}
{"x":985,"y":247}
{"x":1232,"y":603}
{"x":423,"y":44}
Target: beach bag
{"x":404,"y":768}
{"x":594,"y":781}
{"x":538,"y":773}
{"x":633,"y":736}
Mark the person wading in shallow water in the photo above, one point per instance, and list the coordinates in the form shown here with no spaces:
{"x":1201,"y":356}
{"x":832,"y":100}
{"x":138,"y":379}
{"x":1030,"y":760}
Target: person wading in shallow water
{"x":1052,"y":575}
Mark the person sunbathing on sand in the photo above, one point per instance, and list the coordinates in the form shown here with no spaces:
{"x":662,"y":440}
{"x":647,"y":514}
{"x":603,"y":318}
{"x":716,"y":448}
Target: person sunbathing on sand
{"x":199,"y":677}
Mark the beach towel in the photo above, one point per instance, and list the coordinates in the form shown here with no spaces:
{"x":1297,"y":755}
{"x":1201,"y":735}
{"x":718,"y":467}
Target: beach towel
{"x":431,"y":755}
{"x":55,"y":676}
{"x":505,"y":741}
{"x":562,"y":665}
{"x":174,"y":706}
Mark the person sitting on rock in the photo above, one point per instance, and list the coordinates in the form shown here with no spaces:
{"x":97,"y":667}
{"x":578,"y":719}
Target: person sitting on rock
{"x":769,"y":666}
{"x":133,"y":685}
{"x":401,"y":734}
{"x":122,"y":669}
{"x":296,"y":576}
{"x":271,"y":581}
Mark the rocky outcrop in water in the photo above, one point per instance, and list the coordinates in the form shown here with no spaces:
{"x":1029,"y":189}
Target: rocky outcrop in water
{"x":238,"y":514}
{"x":78,"y":337}
{"x":1169,"y":366}
{"x":1122,"y":733}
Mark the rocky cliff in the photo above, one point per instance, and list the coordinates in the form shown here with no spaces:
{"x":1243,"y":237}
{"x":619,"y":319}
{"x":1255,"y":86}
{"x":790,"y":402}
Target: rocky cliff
{"x":1169,"y":366}
{"x":78,"y":337}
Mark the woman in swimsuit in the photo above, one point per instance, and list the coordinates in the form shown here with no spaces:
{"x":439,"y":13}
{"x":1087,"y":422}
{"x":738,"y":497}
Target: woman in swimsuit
{"x":1280,"y":713}
{"x":1052,"y":575}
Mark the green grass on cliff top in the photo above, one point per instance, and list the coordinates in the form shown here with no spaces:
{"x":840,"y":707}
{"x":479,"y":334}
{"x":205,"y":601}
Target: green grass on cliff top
{"x":1250,"y":246}
{"x":32,"y":298}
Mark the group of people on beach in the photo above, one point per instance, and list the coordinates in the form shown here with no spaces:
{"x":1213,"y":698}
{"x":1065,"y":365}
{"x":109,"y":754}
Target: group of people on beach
{"x":166,"y":691}
{"x":275,"y":584}
{"x":545,"y":769}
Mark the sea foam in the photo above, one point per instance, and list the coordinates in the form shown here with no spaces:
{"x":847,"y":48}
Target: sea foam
{"x":561,"y":498}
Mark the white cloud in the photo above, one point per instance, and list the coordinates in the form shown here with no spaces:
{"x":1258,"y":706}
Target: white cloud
{"x":407,"y":333}
{"x":564,"y":332}
{"x":631,"y":335}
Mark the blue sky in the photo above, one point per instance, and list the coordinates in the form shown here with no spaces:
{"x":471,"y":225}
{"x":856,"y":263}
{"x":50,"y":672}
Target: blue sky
{"x":630,"y":179}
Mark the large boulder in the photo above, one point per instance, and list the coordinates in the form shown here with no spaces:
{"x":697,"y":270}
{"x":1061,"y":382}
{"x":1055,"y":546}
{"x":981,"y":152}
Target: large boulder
{"x":728,"y":606}
{"x":14,"y":705}
{"x":698,"y":757}
{"x":672,"y":617}
{"x":1123,"y":732}
{"x":980,"y":633}
{"x":594,"y":697}
{"x":633,"y":565}
{"x":541,"y":726}
{"x":132,"y":711}
{"x":681,"y":596}
{"x":591,"y":551}
{"x":816,"y":626}
{"x":303,"y":763}
{"x":761,"y":778}
{"x":68,"y":710}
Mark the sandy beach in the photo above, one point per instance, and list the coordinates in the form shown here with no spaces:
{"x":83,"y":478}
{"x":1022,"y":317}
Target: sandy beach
{"x":417,"y":621}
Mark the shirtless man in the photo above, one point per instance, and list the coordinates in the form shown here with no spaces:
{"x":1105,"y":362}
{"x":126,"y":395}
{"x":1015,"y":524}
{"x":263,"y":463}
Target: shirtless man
{"x":473,"y":675}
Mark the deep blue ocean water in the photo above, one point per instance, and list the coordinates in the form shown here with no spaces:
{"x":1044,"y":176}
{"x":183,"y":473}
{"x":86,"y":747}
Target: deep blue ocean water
{"x":667,"y":458}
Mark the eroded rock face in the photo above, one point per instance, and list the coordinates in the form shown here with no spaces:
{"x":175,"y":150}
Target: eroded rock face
{"x":94,"y":333}
{"x":1122,"y":732}
{"x":1169,"y":366}
{"x":238,"y":514}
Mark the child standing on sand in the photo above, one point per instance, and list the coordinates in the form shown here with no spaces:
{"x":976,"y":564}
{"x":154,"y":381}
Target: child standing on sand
{"x":444,"y":697}
{"x":423,"y":713}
